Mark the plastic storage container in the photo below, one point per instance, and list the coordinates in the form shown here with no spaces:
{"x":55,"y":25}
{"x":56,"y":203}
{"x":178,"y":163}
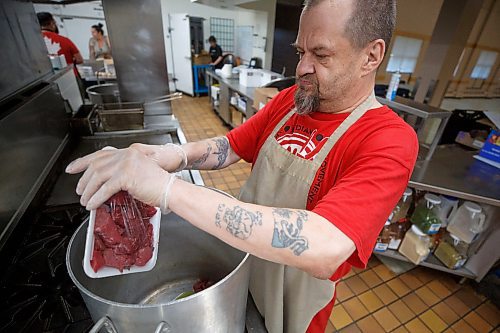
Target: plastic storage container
{"x":449,"y":256}
{"x":467,"y":222}
{"x":447,"y":208}
{"x":415,"y":245}
{"x":402,"y":206}
{"x":425,"y":216}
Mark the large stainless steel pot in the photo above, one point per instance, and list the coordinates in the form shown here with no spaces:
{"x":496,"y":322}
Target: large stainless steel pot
{"x":144,"y":302}
{"x":104,"y":93}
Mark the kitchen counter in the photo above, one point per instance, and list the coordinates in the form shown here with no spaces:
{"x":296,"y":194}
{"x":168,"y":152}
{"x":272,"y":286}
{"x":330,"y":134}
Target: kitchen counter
{"x":452,"y":170}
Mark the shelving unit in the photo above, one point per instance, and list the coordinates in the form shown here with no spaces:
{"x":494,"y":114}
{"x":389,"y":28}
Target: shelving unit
{"x":453,"y":171}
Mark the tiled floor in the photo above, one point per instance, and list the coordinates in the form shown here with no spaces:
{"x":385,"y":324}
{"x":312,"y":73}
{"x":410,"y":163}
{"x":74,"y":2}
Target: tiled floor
{"x":372,"y":300}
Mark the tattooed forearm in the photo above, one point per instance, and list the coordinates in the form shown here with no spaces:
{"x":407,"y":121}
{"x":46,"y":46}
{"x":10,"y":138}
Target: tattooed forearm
{"x":288,"y":225}
{"x":222,"y":151}
{"x":199,"y":162}
{"x":237,"y":220}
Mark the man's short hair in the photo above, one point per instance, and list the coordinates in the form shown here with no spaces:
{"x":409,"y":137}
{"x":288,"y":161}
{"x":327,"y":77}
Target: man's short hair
{"x":44,"y":18}
{"x":212,"y":39}
{"x":370,"y":20}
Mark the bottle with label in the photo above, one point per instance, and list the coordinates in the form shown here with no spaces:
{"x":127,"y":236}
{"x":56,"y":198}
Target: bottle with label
{"x":402,"y":206}
{"x":383,"y":238}
{"x":425,"y":215}
{"x":449,"y":256}
{"x":415,"y":245}
{"x":397,"y":232}
{"x":393,"y":86}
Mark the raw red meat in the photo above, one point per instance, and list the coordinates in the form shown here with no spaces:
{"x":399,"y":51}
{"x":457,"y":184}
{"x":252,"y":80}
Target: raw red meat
{"x":202,"y":285}
{"x":123,"y":235}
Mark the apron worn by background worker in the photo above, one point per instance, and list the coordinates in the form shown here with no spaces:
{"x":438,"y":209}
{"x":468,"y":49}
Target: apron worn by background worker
{"x":287,"y":297}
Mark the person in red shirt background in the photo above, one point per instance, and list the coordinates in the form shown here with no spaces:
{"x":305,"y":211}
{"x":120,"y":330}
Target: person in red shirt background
{"x":329,"y":163}
{"x":63,"y":44}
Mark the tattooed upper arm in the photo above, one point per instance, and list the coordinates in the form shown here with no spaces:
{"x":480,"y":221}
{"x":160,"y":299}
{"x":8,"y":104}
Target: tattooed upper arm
{"x":238,"y":221}
{"x":222,"y":152}
{"x":288,"y":225}
{"x":203,"y":158}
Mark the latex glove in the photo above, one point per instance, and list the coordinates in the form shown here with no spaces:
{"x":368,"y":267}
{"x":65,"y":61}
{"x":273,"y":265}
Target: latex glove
{"x":170,"y":157}
{"x":110,"y":171}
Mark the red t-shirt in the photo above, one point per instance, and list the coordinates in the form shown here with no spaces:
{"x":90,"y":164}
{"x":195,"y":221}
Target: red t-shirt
{"x":361,"y":179}
{"x":62,"y":44}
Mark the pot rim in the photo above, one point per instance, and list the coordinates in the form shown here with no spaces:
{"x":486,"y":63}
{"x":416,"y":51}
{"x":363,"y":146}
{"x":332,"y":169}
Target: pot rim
{"x":139,"y":306}
{"x":89,"y":91}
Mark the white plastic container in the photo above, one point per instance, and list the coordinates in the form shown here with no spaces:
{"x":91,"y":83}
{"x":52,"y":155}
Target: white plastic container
{"x":268,"y":76}
{"x":250,"y":77}
{"x":111,"y":271}
{"x":415,"y":245}
{"x":467,"y":222}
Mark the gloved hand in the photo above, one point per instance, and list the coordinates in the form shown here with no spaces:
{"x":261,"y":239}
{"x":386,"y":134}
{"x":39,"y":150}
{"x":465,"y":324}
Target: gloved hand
{"x":109,"y":171}
{"x":170,"y":157}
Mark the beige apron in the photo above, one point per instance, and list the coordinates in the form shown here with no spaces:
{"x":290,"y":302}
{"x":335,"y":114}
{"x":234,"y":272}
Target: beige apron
{"x":289,"y":298}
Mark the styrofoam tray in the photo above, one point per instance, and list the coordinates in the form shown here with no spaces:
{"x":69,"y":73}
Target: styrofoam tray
{"x":111,"y":271}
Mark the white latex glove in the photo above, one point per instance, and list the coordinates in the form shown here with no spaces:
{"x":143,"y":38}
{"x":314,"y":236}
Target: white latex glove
{"x":170,"y":157}
{"x":111,"y":170}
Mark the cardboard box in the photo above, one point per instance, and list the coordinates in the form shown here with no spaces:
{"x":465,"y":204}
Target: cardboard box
{"x":250,"y":77}
{"x":237,"y":118}
{"x":262,"y":96}
{"x":242,"y":103}
{"x":201,"y":59}
{"x":464,"y":138}
{"x":268,"y":76}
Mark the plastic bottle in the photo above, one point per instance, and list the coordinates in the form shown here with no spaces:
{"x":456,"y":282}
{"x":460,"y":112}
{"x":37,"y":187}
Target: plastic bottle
{"x":383,"y":239}
{"x":425,"y":215}
{"x":402,"y":206}
{"x":415,"y":245}
{"x":397,"y":232}
{"x":393,"y":86}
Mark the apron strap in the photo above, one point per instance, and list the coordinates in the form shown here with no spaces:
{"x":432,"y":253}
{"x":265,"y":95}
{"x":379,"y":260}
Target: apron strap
{"x":281,"y":123}
{"x":346,"y":124}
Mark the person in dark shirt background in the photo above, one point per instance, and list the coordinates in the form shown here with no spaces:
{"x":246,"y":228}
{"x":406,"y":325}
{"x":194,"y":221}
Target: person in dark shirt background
{"x":215,"y":53}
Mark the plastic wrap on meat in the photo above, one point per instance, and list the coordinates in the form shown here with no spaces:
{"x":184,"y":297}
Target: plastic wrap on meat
{"x":123,"y":235}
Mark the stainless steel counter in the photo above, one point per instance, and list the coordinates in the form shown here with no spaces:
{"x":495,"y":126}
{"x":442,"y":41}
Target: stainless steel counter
{"x":453,"y":171}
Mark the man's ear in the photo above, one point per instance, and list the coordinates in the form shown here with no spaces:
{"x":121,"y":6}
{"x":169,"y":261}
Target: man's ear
{"x":373,"y":56}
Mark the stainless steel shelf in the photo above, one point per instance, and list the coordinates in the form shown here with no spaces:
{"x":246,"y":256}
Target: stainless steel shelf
{"x":431,"y":262}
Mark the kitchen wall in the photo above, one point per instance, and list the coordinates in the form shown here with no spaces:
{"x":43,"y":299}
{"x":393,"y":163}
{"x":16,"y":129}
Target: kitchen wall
{"x":258,"y":17}
{"x":416,"y":19}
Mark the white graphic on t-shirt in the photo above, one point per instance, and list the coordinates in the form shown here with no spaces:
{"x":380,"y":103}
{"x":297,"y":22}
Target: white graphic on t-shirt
{"x":52,"y":48}
{"x":300,"y":144}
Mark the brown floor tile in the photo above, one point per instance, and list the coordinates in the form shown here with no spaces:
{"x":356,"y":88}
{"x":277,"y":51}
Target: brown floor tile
{"x":457,"y":305}
{"x":401,"y":311}
{"x":386,"y":319}
{"x":490,"y":313}
{"x":370,"y":278}
{"x":432,"y":321}
{"x":383,"y":272}
{"x":427,"y":296}
{"x":339,"y":317}
{"x":450,"y":282}
{"x":355,"y":308}
{"x":356,"y":284}
{"x":370,"y":325}
{"x":417,"y":326}
{"x":401,"y":329}
{"x":357,"y":270}
{"x":415,"y":303}
{"x":445,"y":312}
{"x":330,"y":328}
{"x":469,"y":297}
{"x":398,"y":286}
{"x":353,"y":328}
{"x":439,"y":289}
{"x":370,"y":301}
{"x":462,"y":327}
{"x":476,"y":321}
{"x":373,"y":262}
{"x":343,"y":291}
{"x":385,"y":294}
{"x":424,"y":274}
{"x":449,"y":330}
{"x":410,"y":280}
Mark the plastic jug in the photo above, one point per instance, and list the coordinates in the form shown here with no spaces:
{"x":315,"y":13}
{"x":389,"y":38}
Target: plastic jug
{"x":425,"y":215}
{"x":227,"y":71}
{"x":447,"y":208}
{"x":415,"y":245}
{"x":402,"y":206}
{"x":467,"y":222}
{"x":449,"y":256}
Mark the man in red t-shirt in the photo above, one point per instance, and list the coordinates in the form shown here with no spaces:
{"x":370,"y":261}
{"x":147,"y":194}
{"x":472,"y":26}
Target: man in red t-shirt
{"x":57,"y":44}
{"x":329,"y":163}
